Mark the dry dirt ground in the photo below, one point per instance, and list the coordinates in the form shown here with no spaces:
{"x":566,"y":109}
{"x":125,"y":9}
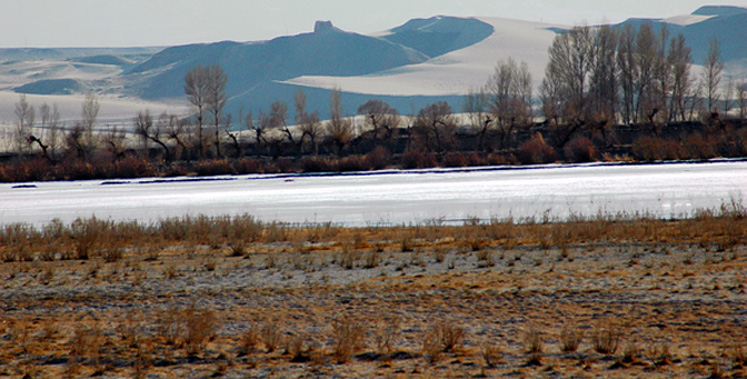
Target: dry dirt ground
{"x":438,"y":309}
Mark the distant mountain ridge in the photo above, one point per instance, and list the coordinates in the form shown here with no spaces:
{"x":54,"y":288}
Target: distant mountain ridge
{"x":326,"y":51}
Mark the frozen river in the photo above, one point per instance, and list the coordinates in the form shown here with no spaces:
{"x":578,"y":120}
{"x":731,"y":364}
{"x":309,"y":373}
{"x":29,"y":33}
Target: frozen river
{"x":393,"y":197}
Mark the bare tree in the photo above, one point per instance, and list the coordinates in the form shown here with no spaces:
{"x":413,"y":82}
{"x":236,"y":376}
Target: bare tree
{"x":729,"y":94}
{"x":551,"y":96}
{"x":604,"y":84}
{"x":278,"y":121}
{"x":308,"y":123}
{"x":713,"y":66}
{"x":89,"y":115}
{"x":662,"y":79}
{"x":339,"y":129}
{"x":260,"y":128}
{"x":475,"y":106}
{"x":741,"y":92}
{"x":508,"y":93}
{"x":381,"y":119}
{"x":647,"y":63}
{"x":299,"y":103}
{"x":50,"y":125}
{"x":278,"y":118}
{"x":216,"y":99}
{"x":25,"y":116}
{"x":435,"y":126}
{"x":311,"y":127}
{"x":571,"y":57}
{"x":175,"y":130}
{"x":603,"y":81}
{"x":74,"y":141}
{"x":680,"y":61}
{"x":116,"y":142}
{"x":235,"y":136}
{"x":196,"y":88}
{"x":147,"y":130}
{"x":627,"y":65}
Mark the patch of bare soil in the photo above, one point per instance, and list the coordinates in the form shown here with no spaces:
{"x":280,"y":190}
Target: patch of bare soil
{"x":369,"y":310}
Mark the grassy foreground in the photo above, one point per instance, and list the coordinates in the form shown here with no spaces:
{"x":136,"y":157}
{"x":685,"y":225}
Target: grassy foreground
{"x":234,"y":297}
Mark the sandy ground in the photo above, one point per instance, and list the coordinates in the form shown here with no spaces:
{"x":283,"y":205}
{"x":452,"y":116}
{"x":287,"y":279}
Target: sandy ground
{"x":672,"y":310}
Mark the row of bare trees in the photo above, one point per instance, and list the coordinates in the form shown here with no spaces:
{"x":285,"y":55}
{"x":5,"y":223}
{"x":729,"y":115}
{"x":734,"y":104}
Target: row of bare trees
{"x":605,"y":75}
{"x":599,"y":77}
{"x":50,"y":134}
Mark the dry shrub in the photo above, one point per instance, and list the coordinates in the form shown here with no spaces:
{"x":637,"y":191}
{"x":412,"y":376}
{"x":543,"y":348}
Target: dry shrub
{"x":454,"y":159}
{"x":299,"y":348}
{"x":191,"y":327}
{"x":631,"y":352}
{"x":169,"y":326}
{"x":16,"y":241}
{"x":534,"y":343}
{"x":536,"y":150}
{"x":413,"y":159}
{"x":660,"y":353}
{"x":86,"y":345}
{"x":605,"y":338}
{"x":129,"y":167}
{"x":655,"y":149}
{"x":318,"y":164}
{"x":570,"y":339}
{"x":580,"y":149}
{"x":249,"y":341}
{"x":432,"y":346}
{"x":249,"y":166}
{"x":388,"y":329}
{"x":448,"y":335}
{"x":348,"y":256}
{"x":87,"y":234}
{"x":406,"y":243}
{"x":372,"y":260}
{"x":737,"y":353}
{"x":348,"y":337}
{"x":271,"y":335}
{"x":201,"y":327}
{"x":695,"y":146}
{"x":75,"y":169}
{"x":490,"y":353}
{"x":378,"y":159}
{"x":214,"y":167}
{"x":352,"y":163}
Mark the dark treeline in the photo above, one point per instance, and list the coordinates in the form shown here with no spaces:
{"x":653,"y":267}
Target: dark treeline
{"x":608,"y":94}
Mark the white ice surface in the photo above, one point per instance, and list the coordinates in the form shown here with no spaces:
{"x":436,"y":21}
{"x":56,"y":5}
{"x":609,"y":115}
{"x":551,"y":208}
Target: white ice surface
{"x":664,"y":190}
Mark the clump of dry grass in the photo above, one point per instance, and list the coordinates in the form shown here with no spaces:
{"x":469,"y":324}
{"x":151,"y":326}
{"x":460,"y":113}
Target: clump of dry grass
{"x":491,"y":354}
{"x":85,"y":346}
{"x":248,"y":341}
{"x":349,"y":256}
{"x":201,"y":327}
{"x":605,"y":338}
{"x":387,"y":332}
{"x":570,"y":339}
{"x":443,"y":336}
{"x":534,"y":344}
{"x":271,"y":335}
{"x":348,"y":337}
{"x":631,"y":353}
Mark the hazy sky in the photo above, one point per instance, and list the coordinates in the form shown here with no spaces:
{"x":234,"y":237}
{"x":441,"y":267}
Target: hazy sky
{"x":117,"y":23}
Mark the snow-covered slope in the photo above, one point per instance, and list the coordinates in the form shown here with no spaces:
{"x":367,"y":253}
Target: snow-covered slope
{"x":456,"y":72}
